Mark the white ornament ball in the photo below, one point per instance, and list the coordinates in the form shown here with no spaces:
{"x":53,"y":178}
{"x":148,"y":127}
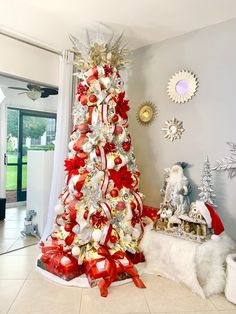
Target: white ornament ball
{"x":76,"y":229}
{"x":75,"y":251}
{"x":70,"y":145}
{"x":97,"y":234}
{"x":87,"y":147}
{"x":110,"y":163}
{"x":59,"y":209}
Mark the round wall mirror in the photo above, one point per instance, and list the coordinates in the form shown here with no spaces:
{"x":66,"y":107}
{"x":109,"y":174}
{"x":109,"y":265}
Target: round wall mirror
{"x":182,"y":86}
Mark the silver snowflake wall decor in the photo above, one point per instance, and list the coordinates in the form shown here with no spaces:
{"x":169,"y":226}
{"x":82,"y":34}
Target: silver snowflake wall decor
{"x":173,"y":129}
{"x":228,"y":163}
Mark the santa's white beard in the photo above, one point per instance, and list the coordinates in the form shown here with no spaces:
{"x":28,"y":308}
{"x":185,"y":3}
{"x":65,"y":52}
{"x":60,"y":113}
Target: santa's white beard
{"x":176,"y":180}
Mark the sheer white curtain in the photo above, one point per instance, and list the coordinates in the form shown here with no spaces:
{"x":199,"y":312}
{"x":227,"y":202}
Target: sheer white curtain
{"x":63,"y":128}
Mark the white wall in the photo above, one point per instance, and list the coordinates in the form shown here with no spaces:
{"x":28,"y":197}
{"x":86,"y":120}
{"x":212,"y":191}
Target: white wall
{"x":28,"y":62}
{"x":209,"y":118}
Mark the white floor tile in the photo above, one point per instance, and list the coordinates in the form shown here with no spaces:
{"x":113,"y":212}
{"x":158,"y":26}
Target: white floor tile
{"x":8,"y":292}
{"x":42,"y":296}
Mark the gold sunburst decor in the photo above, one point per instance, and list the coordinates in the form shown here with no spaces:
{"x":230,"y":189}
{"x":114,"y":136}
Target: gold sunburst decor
{"x":173,"y":129}
{"x":182,"y":86}
{"x":146,"y":113}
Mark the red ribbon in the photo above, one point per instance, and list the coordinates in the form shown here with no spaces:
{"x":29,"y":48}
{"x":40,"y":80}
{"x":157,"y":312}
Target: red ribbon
{"x":79,"y":143}
{"x":114,"y":261}
{"x":79,"y":184}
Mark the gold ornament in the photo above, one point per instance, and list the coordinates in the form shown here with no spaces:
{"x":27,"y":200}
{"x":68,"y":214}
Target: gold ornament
{"x":146,"y":113}
{"x":182,"y":86}
{"x":173,"y":129}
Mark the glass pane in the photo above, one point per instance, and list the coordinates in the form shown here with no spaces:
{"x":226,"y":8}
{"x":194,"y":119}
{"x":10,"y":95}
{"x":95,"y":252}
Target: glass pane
{"x":39,"y":134}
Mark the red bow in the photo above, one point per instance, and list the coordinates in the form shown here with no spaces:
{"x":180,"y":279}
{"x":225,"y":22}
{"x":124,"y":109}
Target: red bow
{"x":115,"y":259}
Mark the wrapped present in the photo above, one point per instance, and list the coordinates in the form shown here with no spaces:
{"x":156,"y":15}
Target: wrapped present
{"x":59,"y":263}
{"x":111,"y":267}
{"x":149,"y":213}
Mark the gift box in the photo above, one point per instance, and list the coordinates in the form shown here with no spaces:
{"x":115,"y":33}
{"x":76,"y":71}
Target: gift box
{"x":97,"y":269}
{"x":61,"y":264}
{"x":111,"y":267}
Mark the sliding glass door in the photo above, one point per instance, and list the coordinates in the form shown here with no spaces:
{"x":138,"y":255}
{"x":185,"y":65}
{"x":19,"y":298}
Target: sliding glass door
{"x":26,"y":130}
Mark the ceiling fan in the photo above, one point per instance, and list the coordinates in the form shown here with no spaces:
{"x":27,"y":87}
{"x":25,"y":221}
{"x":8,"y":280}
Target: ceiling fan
{"x":35,"y":92}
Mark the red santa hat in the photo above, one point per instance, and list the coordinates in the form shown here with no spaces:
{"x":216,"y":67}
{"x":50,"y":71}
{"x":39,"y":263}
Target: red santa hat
{"x":212,"y":218}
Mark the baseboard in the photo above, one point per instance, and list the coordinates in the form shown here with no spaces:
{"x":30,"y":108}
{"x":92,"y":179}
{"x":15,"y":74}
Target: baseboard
{"x":17,"y":204}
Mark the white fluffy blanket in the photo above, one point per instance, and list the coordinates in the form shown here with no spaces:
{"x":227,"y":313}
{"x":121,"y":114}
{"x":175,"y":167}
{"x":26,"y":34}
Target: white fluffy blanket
{"x":199,"y":266}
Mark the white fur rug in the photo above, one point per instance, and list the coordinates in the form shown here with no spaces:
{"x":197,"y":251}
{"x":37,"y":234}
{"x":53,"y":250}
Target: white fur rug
{"x":201,"y":267}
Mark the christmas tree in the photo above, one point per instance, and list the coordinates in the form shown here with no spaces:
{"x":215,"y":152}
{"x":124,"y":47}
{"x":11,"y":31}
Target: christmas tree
{"x":206,"y":195}
{"x":99,"y":211}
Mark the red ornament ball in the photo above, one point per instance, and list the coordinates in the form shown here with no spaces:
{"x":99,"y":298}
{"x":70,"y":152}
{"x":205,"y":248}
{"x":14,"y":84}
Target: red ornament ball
{"x":126,"y":147}
{"x":83,"y":128}
{"x":114,"y":193}
{"x":118,"y":160}
{"x":137,"y":173}
{"x":132,"y":205}
{"x":83,"y":100}
{"x":98,"y":152}
{"x":68,"y":227}
{"x":120,"y":205}
{"x":118,"y":130}
{"x":113,"y":239}
{"x":92,"y":98}
{"x":115,"y":118}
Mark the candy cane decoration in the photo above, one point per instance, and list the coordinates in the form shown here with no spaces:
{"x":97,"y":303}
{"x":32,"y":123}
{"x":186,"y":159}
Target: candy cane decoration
{"x":103,"y":157}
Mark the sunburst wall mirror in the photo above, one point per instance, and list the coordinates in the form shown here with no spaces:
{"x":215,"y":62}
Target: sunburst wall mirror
{"x":173,"y":129}
{"x":146,"y":113}
{"x":182,"y":86}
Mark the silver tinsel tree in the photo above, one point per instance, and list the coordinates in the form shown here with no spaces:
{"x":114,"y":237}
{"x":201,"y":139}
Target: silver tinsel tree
{"x":206,"y":195}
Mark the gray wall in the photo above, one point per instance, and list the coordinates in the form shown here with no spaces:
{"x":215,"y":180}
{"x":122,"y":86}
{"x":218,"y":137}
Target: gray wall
{"x":209,"y":118}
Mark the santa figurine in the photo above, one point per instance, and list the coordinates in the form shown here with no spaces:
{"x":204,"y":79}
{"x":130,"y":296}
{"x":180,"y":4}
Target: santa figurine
{"x":177,"y":188}
{"x":212,"y":219}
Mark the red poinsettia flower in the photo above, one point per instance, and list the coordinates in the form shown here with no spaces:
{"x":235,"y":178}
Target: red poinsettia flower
{"x":110,"y":148}
{"x":122,"y":106}
{"x":97,"y":219}
{"x":72,"y":165}
{"x":121,"y":178}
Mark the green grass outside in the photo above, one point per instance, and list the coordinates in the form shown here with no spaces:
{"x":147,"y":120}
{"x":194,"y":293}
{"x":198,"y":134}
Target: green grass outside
{"x":11,"y":184}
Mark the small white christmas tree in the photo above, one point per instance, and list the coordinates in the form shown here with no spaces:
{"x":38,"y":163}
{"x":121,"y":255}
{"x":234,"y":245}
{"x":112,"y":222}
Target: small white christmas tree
{"x":206,"y":195}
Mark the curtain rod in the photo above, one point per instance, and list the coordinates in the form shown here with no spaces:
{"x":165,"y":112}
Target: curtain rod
{"x":29,"y":42}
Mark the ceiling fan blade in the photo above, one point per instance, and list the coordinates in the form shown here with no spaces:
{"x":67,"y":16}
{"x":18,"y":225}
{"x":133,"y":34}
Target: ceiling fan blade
{"x":18,"y":88}
{"x":34,"y":87}
{"x":49,"y":91}
{"x":22,"y":93}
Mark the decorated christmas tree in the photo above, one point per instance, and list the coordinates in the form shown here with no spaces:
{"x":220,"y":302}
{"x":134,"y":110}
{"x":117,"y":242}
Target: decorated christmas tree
{"x":98,"y":217}
{"x":207,"y":193}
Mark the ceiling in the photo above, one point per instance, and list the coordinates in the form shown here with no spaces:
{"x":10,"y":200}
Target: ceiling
{"x":145,"y":22}
{"x":12,"y":97}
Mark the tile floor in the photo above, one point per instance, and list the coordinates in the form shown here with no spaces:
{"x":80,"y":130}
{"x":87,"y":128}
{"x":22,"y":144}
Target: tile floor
{"x":23,"y":290}
{"x":10,"y":236}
